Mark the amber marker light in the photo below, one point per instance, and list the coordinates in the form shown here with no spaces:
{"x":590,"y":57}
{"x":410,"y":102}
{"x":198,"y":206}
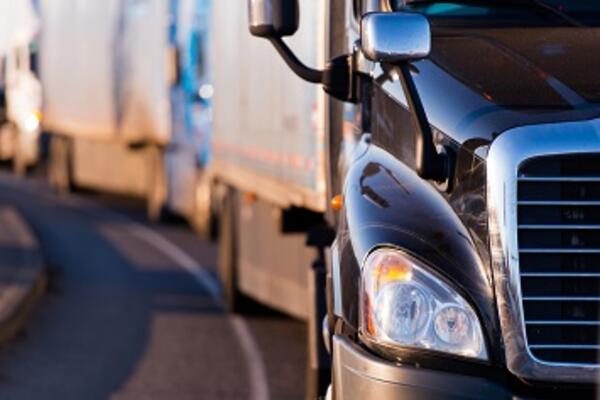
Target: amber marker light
{"x":337,"y":202}
{"x":404,"y":304}
{"x":392,"y":272}
{"x":249,"y":198}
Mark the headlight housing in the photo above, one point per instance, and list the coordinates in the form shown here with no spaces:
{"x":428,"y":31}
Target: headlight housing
{"x":405,"y":305}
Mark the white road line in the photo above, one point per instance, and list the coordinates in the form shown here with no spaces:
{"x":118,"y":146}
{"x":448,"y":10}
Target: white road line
{"x":179,"y":256}
{"x":254,"y":363}
{"x":257,"y":374}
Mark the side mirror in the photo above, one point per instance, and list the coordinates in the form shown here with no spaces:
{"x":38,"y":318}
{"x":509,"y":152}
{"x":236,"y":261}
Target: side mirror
{"x":398,"y":38}
{"x":395,"y":37}
{"x":273,"y":18}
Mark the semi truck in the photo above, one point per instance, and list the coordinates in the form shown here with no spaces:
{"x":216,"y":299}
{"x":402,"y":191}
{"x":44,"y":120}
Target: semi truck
{"x":122,"y":97}
{"x":21,"y":88}
{"x":463,"y":163}
{"x":267,"y":157}
{"x":267,"y":173}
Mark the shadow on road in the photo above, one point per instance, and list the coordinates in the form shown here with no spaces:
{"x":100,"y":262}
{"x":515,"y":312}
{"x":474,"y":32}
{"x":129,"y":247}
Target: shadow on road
{"x":121,"y":319}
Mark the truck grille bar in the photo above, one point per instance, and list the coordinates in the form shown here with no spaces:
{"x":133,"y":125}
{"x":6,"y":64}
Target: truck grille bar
{"x":558,"y":216}
{"x":543,"y":194}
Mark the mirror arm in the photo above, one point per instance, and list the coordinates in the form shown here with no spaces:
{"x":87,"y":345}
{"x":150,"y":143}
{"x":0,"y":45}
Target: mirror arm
{"x":304,"y":72}
{"x":429,"y":163}
{"x":338,"y":78}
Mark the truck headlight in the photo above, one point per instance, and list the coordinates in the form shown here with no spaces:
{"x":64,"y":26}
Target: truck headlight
{"x":404,"y":305}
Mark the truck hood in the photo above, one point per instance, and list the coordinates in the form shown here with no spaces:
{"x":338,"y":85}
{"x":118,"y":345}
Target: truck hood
{"x":480,"y":82}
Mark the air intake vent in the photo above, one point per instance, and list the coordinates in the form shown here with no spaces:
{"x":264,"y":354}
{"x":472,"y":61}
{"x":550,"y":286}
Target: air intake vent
{"x":559,"y":257}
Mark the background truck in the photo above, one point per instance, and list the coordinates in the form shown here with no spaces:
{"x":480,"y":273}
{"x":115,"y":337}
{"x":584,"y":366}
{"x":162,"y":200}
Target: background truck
{"x":21,"y":88}
{"x":268,"y":168}
{"x":465,"y":261}
{"x":121,"y":98}
{"x":268,"y":159}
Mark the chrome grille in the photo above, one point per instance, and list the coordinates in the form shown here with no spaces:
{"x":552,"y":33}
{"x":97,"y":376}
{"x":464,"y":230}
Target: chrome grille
{"x":558,"y":217}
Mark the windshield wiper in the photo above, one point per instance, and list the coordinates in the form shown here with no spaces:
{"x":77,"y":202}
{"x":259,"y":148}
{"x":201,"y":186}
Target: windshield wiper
{"x":539,"y":4}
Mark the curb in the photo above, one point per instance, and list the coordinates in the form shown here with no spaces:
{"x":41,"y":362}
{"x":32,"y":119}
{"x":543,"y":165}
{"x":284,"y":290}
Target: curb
{"x":22,"y":272}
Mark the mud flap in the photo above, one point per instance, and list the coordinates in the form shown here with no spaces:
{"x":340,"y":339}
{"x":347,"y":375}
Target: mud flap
{"x":60,"y":171}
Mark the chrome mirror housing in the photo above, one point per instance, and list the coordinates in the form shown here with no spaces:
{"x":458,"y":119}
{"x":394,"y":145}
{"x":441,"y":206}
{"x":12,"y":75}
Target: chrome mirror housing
{"x":273,"y":18}
{"x":394,"y":37}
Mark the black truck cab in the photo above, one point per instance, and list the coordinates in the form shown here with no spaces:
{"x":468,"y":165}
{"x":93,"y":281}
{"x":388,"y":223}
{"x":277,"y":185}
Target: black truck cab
{"x":464,"y":151}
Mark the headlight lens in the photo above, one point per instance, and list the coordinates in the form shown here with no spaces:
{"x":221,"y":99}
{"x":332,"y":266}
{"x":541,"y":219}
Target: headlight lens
{"x":404,"y":305}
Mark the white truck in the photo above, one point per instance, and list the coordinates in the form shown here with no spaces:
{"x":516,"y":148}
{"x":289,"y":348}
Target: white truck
{"x":21,"y":88}
{"x":269,"y":167}
{"x":116,"y":102}
{"x":267,"y":175}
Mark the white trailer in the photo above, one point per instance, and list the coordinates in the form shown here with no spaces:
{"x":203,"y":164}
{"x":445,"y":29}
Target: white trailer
{"x":269,"y":164}
{"x":110,"y":71}
{"x":269,"y":172}
{"x":20,"y":128}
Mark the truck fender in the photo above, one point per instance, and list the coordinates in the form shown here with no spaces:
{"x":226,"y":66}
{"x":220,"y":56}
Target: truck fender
{"x":387,"y":204}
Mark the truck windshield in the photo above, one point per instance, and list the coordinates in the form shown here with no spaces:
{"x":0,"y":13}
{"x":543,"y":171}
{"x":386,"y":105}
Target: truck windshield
{"x":522,"y":12}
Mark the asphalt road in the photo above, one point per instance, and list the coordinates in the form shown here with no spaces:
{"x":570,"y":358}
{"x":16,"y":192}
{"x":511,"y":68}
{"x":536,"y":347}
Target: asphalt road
{"x":132,"y":312}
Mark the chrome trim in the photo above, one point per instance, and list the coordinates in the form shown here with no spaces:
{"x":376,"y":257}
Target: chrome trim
{"x":338,"y":308}
{"x":326,"y":334}
{"x":260,"y":13}
{"x":394,"y":37}
{"x":506,"y":155}
{"x":361,"y":63}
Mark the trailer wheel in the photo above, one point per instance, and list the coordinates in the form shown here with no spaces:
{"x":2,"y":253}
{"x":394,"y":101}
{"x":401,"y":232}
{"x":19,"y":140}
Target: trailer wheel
{"x":157,"y":184}
{"x":60,"y":172}
{"x":233,"y":300}
{"x":203,"y":218}
{"x":15,"y":149}
{"x":21,"y":161}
